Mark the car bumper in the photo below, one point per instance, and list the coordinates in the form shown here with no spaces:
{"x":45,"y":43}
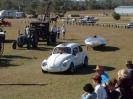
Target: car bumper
{"x":54,"y":69}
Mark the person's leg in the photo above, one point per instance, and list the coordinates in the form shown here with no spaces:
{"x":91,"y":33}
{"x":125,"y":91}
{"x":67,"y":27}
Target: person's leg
{"x":63,"y":35}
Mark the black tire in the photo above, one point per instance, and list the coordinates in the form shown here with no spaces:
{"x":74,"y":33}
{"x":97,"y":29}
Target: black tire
{"x":20,"y":45}
{"x":34,"y":43}
{"x":86,"y":61}
{"x":71,"y":69}
{"x":43,"y":71}
{"x":14,"y":44}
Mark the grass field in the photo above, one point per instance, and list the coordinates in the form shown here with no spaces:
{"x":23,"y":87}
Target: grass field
{"x":20,"y":71}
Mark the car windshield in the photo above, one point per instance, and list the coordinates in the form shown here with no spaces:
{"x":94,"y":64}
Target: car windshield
{"x":62,"y":50}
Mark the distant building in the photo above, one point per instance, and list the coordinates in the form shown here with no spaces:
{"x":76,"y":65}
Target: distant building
{"x":124,"y":10}
{"x":11,"y":14}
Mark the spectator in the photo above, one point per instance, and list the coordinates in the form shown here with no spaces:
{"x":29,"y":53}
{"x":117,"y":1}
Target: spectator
{"x":63,"y":30}
{"x":58,"y":32}
{"x":100,"y":72}
{"x":112,"y":93}
{"x":27,"y":31}
{"x":125,"y":84}
{"x":99,"y":89}
{"x":89,"y":92}
{"x":54,"y":33}
{"x":129,"y":66}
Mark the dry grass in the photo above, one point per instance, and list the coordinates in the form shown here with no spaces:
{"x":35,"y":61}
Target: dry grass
{"x":21,"y":76}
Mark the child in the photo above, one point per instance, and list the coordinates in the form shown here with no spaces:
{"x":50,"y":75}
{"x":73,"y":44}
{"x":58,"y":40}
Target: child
{"x":89,"y":92}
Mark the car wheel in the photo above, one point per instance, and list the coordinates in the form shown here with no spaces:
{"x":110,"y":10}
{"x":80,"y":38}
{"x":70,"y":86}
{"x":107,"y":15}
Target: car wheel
{"x":86,"y":61}
{"x":43,"y":71}
{"x":71,"y":69}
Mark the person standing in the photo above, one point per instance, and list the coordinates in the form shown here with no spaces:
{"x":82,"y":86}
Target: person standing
{"x":63,"y":31}
{"x":54,"y":32}
{"x":99,"y":89}
{"x":58,"y":32}
{"x":27,"y":31}
{"x":101,"y":72}
{"x":112,"y":92}
{"x":129,"y":66}
{"x":125,"y":84}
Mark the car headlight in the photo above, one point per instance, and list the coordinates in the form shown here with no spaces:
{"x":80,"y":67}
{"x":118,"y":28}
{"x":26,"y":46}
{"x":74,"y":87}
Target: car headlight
{"x":65,"y":63}
{"x":44,"y":63}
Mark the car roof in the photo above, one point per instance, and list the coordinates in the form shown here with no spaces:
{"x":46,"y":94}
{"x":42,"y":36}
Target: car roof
{"x":71,"y":45}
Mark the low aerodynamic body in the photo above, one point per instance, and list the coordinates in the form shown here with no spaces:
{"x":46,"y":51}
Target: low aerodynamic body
{"x":95,"y":41}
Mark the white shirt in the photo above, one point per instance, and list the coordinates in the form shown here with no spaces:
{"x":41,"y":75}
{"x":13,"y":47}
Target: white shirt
{"x":63,"y":29}
{"x":27,"y":31}
{"x":55,"y":29}
{"x":100,"y":91}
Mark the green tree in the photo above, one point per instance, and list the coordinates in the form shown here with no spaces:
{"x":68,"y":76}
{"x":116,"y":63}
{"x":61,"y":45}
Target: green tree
{"x":7,"y":4}
{"x":116,"y":16}
{"x":92,"y":4}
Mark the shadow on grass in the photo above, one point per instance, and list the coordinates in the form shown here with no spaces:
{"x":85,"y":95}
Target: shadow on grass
{"x":57,"y":43}
{"x":91,"y":69}
{"x":5,"y":61}
{"x":106,"y":48}
{"x":71,"y":39}
{"x":15,"y":57}
{"x":38,"y":48}
{"x":42,"y":49}
{"x":9,"y":41}
{"x":85,"y":70}
{"x":22,"y":84}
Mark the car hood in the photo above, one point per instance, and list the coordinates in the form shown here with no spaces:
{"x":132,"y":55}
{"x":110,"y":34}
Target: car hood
{"x":57,"y":59}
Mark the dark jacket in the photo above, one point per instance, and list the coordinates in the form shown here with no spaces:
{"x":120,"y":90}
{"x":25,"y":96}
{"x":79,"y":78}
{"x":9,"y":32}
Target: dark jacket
{"x":126,"y":88}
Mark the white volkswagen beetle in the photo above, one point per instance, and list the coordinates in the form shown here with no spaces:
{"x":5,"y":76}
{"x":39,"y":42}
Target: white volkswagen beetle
{"x":66,"y":56}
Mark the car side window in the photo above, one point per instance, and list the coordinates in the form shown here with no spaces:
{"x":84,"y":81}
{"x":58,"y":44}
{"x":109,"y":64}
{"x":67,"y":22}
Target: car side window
{"x":75,"y":50}
{"x":80,"y":49}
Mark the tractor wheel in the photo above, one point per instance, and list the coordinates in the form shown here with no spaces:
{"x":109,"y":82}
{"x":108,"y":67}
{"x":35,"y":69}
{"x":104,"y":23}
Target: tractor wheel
{"x":14,"y":44}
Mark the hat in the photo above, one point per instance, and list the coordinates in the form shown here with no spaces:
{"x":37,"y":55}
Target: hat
{"x":129,"y":64}
{"x":99,"y":67}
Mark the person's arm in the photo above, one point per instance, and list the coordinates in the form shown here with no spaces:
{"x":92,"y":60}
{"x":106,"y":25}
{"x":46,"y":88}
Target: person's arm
{"x":86,"y":96}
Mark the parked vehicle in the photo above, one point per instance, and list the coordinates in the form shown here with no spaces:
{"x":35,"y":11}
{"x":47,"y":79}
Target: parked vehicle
{"x":22,"y":39}
{"x":65,"y":57}
{"x":130,"y":25}
{"x":88,"y":20}
{"x":95,"y":41}
{"x":2,"y":40}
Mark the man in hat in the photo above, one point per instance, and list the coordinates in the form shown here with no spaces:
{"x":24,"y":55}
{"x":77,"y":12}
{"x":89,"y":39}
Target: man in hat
{"x":100,"y":72}
{"x":129,"y":66}
{"x":99,"y":89}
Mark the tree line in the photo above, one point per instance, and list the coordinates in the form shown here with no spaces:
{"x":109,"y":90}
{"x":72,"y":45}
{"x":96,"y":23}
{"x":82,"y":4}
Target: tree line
{"x":59,"y":6}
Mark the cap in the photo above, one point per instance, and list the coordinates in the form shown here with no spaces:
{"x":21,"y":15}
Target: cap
{"x":129,"y":64}
{"x":99,"y":67}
